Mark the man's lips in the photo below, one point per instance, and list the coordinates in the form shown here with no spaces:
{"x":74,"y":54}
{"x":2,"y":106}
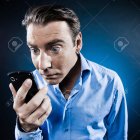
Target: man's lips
{"x":51,"y":76}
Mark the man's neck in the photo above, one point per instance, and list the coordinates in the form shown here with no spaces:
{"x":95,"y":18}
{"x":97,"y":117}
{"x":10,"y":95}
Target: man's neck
{"x":67,"y":84}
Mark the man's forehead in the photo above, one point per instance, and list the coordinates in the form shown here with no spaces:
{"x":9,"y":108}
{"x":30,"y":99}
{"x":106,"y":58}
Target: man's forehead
{"x":46,"y":37}
{"x":51,"y":28}
{"x":42,"y":34}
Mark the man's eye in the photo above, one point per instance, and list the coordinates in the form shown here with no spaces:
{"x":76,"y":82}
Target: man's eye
{"x":34,"y":51}
{"x":55,"y":49}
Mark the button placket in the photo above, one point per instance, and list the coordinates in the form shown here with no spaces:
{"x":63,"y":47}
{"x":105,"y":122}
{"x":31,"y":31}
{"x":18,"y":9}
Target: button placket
{"x":67,"y":121}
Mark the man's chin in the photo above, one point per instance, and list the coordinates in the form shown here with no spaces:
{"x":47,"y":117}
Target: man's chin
{"x":53,"y":81}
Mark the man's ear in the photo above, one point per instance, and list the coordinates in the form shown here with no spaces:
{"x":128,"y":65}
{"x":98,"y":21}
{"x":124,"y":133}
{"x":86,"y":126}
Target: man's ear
{"x":78,"y":42}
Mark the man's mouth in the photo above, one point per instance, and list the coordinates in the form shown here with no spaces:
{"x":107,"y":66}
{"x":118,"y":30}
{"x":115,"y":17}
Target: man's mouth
{"x":52,"y":76}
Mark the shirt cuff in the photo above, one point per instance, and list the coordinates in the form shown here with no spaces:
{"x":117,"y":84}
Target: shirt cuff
{"x":34,"y":135}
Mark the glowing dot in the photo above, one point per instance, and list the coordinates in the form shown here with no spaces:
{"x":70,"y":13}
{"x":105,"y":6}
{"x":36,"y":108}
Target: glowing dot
{"x":120,"y":43}
{"x":14,"y":43}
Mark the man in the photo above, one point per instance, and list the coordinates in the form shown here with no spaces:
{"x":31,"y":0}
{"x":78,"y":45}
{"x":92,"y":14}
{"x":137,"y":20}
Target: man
{"x":83,"y":100}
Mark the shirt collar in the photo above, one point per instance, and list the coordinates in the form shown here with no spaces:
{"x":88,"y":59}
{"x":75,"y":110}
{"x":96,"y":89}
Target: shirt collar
{"x":84,"y":64}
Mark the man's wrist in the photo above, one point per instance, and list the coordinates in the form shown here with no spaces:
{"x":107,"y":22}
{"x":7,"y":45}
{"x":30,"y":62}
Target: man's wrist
{"x":23,"y":129}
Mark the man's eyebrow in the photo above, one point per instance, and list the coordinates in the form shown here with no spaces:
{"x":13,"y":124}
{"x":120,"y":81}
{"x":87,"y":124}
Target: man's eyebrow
{"x":54,"y":42}
{"x":32,"y":45}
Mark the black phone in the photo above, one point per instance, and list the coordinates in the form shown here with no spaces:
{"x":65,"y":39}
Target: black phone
{"x":18,"y":77}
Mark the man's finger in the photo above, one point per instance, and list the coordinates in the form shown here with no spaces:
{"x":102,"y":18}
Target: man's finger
{"x":29,"y":108}
{"x":22,"y":92}
{"x":42,"y":109}
{"x":44,"y":116}
{"x":12,"y":90}
{"x":34,"y":103}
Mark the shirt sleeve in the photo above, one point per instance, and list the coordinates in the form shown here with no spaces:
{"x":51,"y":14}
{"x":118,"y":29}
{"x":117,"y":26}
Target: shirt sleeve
{"x":118,"y":116}
{"x":34,"y":135}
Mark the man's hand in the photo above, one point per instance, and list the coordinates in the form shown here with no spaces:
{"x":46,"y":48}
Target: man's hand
{"x":32,"y":114}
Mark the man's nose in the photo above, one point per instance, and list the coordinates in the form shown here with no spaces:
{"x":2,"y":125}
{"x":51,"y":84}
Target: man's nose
{"x":44,"y":61}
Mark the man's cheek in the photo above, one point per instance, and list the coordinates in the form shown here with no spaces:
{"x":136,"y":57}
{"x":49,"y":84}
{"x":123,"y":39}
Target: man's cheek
{"x":35,"y":63}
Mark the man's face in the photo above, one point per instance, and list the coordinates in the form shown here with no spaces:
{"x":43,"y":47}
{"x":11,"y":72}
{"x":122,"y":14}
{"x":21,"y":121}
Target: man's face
{"x":52,"y":50}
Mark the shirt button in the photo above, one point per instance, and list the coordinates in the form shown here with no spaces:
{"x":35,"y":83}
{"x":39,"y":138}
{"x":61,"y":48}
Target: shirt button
{"x":67,"y":96}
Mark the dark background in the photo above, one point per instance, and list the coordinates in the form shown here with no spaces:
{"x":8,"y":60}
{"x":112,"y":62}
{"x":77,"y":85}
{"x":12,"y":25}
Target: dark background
{"x":111,"y":37}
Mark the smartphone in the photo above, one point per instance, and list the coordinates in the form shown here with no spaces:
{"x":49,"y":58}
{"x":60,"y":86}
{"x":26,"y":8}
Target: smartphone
{"x":18,"y":77}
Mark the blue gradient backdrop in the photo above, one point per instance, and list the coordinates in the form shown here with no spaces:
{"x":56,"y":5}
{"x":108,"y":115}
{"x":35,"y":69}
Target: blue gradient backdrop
{"x":103,"y":23}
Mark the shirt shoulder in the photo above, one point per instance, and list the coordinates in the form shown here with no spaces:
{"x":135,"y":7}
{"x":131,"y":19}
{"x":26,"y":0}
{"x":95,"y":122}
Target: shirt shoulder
{"x":101,"y":73}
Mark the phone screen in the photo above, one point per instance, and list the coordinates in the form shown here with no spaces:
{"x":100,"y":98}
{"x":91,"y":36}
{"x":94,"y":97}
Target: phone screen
{"x":17,"y":78}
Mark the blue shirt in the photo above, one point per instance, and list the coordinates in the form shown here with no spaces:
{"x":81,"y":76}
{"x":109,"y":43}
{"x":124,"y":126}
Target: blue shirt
{"x":95,"y":110}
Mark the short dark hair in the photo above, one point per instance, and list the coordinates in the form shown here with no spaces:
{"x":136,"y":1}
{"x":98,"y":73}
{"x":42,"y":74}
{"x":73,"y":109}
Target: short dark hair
{"x":41,"y":15}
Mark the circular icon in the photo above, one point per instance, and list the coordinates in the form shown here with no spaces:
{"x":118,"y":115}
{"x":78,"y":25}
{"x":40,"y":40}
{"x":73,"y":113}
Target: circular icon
{"x":14,"y":43}
{"x":120,"y":43}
